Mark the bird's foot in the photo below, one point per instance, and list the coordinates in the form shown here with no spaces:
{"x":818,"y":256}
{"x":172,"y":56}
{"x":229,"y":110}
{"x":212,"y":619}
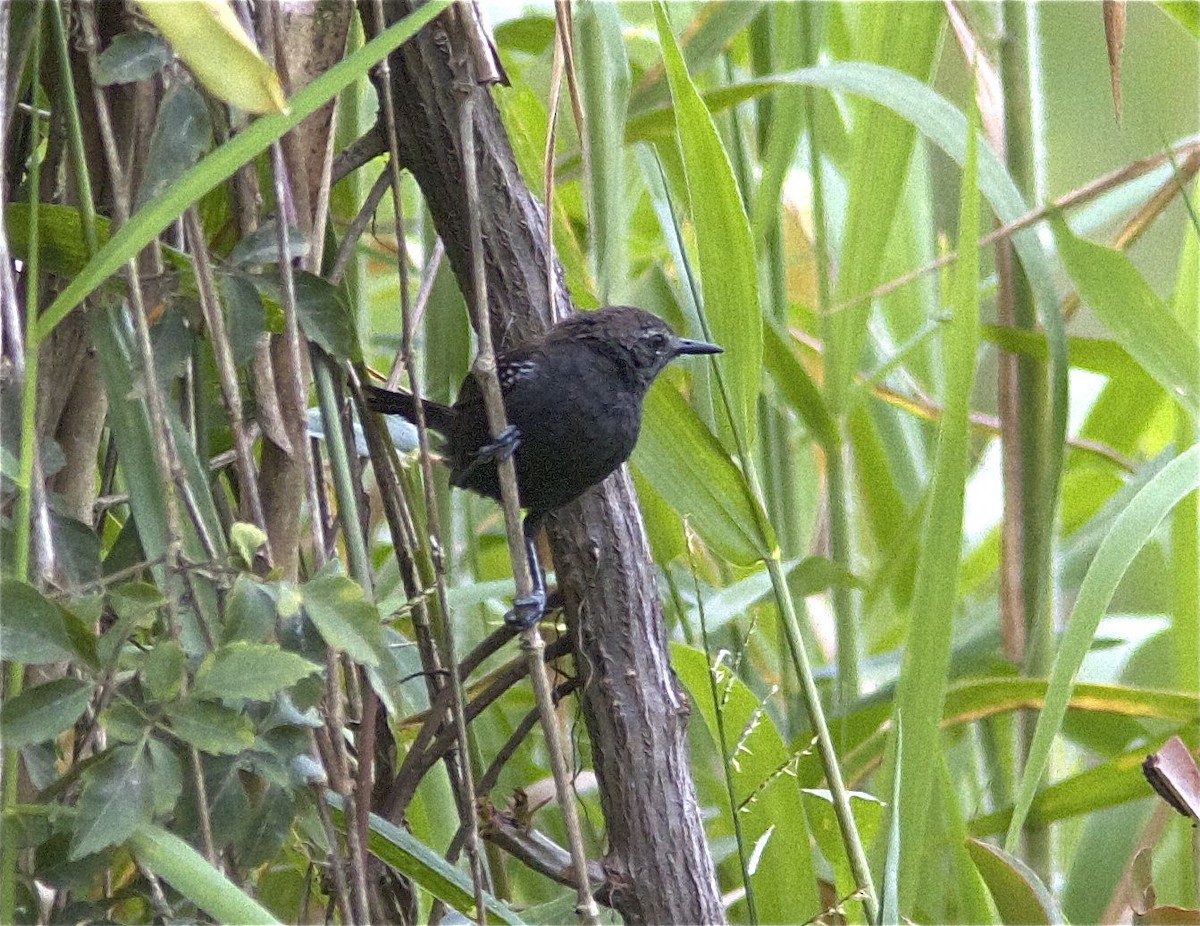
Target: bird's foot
{"x":503,"y":447}
{"x":527,"y":611}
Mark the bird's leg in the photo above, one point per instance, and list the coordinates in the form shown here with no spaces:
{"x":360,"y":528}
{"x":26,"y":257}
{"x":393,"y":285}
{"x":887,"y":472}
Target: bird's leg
{"x":503,"y":447}
{"x":527,"y":611}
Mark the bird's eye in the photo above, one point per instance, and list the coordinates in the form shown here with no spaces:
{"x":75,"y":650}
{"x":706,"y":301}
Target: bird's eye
{"x":658,"y":342}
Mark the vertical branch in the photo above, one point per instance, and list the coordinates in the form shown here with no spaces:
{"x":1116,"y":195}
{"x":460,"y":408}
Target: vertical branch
{"x":485,"y":373}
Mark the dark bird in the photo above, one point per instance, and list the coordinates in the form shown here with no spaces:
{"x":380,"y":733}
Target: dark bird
{"x":573,"y":398}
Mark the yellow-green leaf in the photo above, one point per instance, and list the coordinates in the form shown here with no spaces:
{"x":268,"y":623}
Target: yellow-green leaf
{"x":207,"y":36}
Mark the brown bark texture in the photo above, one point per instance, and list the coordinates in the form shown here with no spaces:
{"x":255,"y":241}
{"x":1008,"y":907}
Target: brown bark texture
{"x":635,"y":709}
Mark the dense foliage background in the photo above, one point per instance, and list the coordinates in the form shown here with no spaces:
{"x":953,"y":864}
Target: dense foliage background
{"x":948,"y":458}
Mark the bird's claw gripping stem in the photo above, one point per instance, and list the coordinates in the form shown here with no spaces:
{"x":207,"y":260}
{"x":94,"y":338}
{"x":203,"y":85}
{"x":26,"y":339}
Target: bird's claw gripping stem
{"x":503,"y":447}
{"x":530,"y":609}
{"x":527,"y":611}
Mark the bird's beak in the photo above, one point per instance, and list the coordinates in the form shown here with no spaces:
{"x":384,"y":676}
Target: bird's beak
{"x":688,"y":346}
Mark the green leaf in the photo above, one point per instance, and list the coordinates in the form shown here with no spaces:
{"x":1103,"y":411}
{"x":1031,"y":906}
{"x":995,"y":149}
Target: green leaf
{"x":247,"y":315}
{"x":726,"y":260}
{"x":182,"y":134}
{"x":249,"y":611}
{"x":1111,"y":286}
{"x":156,"y":215}
{"x":189,"y":873}
{"x":323,"y":311}
{"x":117,"y":798}
{"x":206,"y":34}
{"x":797,"y":387}
{"x":605,"y":79}
{"x":346,"y":620}
{"x":785,"y":882}
{"x":906,"y":40}
{"x":246,"y":539}
{"x":1019,"y":894}
{"x":261,"y":246}
{"x":163,"y":670}
{"x":687,"y":466}
{"x":923,"y":679}
{"x":403,"y":852}
{"x":41,"y":713}
{"x":210,"y":727}
{"x":130,"y":57}
{"x":168,"y":776}
{"x":36,"y":631}
{"x":254,"y":671}
{"x":1131,"y":531}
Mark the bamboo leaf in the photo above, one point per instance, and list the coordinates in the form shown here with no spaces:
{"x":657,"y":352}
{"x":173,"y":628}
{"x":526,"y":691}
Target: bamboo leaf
{"x":209,"y":39}
{"x":188,"y":872}
{"x":923,"y":679}
{"x":1112,"y":287}
{"x":725,"y":253}
{"x":687,"y":466}
{"x":1130,"y":532}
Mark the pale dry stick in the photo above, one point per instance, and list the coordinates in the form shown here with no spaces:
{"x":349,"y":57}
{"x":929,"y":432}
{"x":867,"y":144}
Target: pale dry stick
{"x":227,"y":373}
{"x":165,"y":457}
{"x":358,"y":225}
{"x":1140,"y":221}
{"x":1083,"y":194}
{"x":465,"y":779}
{"x":556,"y":75}
{"x":428,"y":278}
{"x":485,"y":373}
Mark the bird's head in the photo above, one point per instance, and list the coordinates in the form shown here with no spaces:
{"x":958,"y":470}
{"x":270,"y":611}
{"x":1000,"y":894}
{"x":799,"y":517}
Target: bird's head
{"x":643,"y":343}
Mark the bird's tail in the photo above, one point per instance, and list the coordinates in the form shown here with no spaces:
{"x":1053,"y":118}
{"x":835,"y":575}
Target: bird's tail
{"x":437,"y":415}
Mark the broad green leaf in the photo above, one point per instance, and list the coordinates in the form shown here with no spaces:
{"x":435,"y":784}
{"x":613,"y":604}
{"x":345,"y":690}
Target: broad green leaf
{"x":206,"y":34}
{"x":725,"y":252}
{"x":1020,"y":895}
{"x":403,"y":852}
{"x":246,"y":313}
{"x":785,"y":884}
{"x":41,"y":713}
{"x":323,"y":311}
{"x":167,"y":776}
{"x":1130,"y":532}
{"x":182,"y":135}
{"x":1120,"y":297}
{"x":346,"y":620}
{"x":687,"y":466}
{"x":130,"y":57}
{"x":189,"y":873}
{"x":36,"y":631}
{"x":904,"y":39}
{"x":923,"y":679}
{"x":163,"y":670}
{"x":261,"y":246}
{"x":715,"y":25}
{"x":148,"y":221}
{"x":797,"y":387}
{"x":604,"y":76}
{"x":210,"y":727}
{"x":117,"y":798}
{"x":254,"y":671}
{"x":249,"y":611}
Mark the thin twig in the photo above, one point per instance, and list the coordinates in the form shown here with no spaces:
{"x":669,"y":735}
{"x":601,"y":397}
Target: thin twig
{"x":227,"y":374}
{"x":485,"y":373}
{"x":1083,"y":194}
